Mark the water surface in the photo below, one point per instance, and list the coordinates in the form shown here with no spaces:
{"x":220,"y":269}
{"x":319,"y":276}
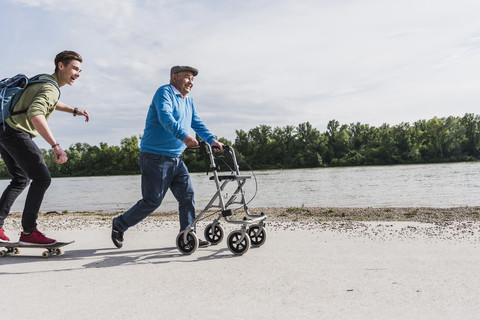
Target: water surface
{"x":431,"y":185}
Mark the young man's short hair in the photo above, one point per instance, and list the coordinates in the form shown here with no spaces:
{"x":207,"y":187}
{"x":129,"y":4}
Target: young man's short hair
{"x":65,"y":57}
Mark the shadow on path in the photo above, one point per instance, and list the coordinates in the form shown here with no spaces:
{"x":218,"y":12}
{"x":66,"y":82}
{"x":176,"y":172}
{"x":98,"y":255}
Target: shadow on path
{"x":106,"y":258}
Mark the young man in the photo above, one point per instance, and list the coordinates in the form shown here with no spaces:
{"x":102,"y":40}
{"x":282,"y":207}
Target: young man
{"x":21,"y":155}
{"x":170,"y":119}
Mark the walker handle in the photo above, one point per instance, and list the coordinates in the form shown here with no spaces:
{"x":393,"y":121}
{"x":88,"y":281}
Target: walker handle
{"x":225,"y":147}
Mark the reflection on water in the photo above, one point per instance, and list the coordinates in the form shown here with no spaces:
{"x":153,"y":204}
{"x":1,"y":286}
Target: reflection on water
{"x":432,"y":185}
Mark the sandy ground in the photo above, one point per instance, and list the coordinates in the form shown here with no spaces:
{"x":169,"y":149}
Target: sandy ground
{"x":317,"y":263}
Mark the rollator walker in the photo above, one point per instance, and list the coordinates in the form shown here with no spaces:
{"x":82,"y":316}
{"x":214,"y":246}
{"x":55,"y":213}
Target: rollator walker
{"x":251,"y":231}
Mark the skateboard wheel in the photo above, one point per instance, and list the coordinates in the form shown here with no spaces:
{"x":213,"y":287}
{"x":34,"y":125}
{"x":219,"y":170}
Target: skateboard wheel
{"x":16,"y":251}
{"x":189,"y":246}
{"x":214,"y":233}
{"x":3,"y":253}
{"x":45,"y":254}
{"x":236,"y":244}
{"x":257,"y":236}
{"x":58,"y":252}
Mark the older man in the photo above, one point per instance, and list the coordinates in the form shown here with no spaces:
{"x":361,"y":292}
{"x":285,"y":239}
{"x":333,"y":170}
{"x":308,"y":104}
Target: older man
{"x":170,"y":118}
{"x":21,"y":155}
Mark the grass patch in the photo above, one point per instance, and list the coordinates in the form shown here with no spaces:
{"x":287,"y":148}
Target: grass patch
{"x":293,"y":210}
{"x":329,"y":211}
{"x":298,"y":210}
{"x":411,"y":214}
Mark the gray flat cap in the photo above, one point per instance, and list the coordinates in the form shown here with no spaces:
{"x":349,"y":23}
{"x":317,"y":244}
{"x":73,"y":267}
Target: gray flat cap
{"x":177,"y":69}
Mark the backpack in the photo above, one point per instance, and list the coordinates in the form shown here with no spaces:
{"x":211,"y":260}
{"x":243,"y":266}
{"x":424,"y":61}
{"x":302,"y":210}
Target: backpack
{"x":11,"y":89}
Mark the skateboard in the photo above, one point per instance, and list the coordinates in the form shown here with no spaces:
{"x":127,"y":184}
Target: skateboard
{"x":52,"y":249}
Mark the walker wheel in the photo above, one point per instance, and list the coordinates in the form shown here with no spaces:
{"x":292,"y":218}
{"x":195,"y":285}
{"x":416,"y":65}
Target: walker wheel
{"x":214,"y":233}
{"x":257,"y":236}
{"x":238,"y":242}
{"x":190,"y":245}
{"x":45,"y":254}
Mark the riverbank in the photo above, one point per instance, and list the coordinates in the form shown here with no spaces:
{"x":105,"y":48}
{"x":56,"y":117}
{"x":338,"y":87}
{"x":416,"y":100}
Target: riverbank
{"x":317,"y":263}
{"x":374,"y":223}
{"x":312,"y":214}
{"x":302,"y":215}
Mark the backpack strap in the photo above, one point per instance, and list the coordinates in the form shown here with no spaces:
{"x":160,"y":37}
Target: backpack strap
{"x":36,"y":79}
{"x":33,"y":80}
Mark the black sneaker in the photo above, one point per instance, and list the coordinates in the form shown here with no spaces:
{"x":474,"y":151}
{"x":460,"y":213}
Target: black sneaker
{"x":203,"y":243}
{"x":117,"y":236}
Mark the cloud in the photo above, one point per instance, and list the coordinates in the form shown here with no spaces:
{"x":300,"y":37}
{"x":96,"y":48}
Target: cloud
{"x":261,"y":62}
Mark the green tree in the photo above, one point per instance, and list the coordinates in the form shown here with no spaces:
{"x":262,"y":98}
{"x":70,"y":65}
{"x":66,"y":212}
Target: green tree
{"x":471,"y":145}
{"x":129,"y":154}
{"x":283,"y":146}
{"x":312,"y":145}
{"x":338,"y":143}
{"x":386,"y":150}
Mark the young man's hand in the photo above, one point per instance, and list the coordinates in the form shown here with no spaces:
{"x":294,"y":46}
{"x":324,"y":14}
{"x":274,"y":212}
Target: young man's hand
{"x":60,"y":155}
{"x":84,"y":113}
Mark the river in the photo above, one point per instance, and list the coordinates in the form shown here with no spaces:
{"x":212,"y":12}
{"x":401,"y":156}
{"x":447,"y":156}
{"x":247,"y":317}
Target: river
{"x":430,"y":185}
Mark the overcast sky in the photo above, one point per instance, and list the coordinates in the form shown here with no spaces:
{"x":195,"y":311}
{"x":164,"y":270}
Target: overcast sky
{"x":279,"y":62}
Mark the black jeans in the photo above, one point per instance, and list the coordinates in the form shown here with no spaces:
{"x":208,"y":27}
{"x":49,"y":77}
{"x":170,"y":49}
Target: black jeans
{"x":25,"y":163}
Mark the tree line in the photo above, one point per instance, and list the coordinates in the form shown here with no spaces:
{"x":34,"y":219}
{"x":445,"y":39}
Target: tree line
{"x":447,"y":139}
